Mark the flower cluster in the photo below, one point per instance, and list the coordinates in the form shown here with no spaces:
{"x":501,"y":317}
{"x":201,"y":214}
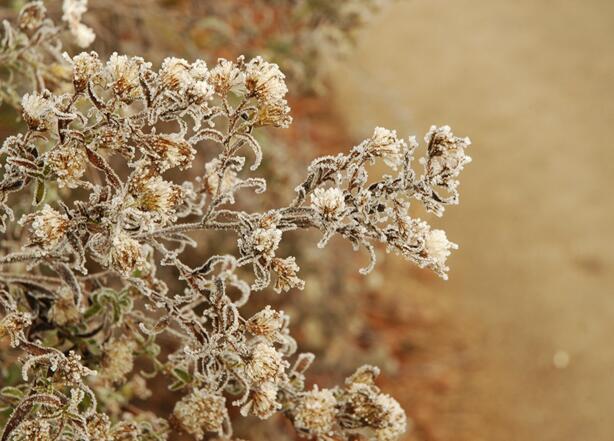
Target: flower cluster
{"x":31,"y":57}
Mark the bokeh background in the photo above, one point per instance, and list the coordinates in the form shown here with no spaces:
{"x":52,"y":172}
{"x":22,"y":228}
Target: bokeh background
{"x":517,"y":344}
{"x":531,"y":288}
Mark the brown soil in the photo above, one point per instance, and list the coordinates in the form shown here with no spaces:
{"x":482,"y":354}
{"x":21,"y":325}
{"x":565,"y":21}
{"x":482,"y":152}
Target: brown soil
{"x":530,"y":83}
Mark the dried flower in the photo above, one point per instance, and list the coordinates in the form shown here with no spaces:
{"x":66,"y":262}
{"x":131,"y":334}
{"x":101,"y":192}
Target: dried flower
{"x":117,"y":360}
{"x":175,"y":74}
{"x":375,"y":410}
{"x":64,"y":310}
{"x":32,"y":15}
{"x":225,"y":76}
{"x":263,"y":401}
{"x":69,"y":370}
{"x":13,"y":325}
{"x":385,"y":144}
{"x":266,"y":240}
{"x":85,"y":67}
{"x":447,"y":156}
{"x":266,"y":323}
{"x":73,"y":12}
{"x":159,"y":196}
{"x":275,"y":114}
{"x":286,"y":270}
{"x":68,"y":163}
{"x":315,"y":412}
{"x":170,"y":151}
{"x":99,"y":427}
{"x":47,"y":227}
{"x":264,"y":364}
{"x":38,"y":111}
{"x":34,"y":429}
{"x":438,"y":247}
{"x":123,"y":74}
{"x":200,"y":412}
{"x":265,"y":81}
{"x":125,"y":254}
{"x":329,"y":203}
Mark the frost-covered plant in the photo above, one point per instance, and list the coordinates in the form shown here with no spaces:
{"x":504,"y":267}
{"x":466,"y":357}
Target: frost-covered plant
{"x":95,"y":274}
{"x":31,"y":49}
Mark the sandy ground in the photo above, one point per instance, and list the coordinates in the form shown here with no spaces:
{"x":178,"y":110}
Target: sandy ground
{"x":531,"y":82}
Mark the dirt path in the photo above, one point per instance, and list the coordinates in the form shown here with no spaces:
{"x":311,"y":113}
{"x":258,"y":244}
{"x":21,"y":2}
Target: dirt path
{"x":532,"y":83}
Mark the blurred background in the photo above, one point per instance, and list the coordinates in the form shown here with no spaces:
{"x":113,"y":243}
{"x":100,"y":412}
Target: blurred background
{"x":517,"y":344}
{"x":532,"y":84}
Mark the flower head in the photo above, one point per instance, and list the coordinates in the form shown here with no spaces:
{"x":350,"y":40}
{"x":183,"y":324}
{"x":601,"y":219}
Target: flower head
{"x":14,"y":325}
{"x":123,"y":75}
{"x":34,"y":429}
{"x":85,"y":67}
{"x":69,"y":163}
{"x":200,"y":412}
{"x":118,"y":359}
{"x":438,"y":247}
{"x":265,"y":81}
{"x":266,"y":240}
{"x":47,"y":227}
{"x":157,"y":195}
{"x":38,"y":111}
{"x":175,"y":74}
{"x":64,"y":310}
{"x":264,"y":364}
{"x":266,"y":323}
{"x":32,"y":15}
{"x":125,"y":254}
{"x":168,"y":151}
{"x":73,"y":12}
{"x":315,"y":412}
{"x":263,"y":401}
{"x":286,"y":270}
{"x":225,"y":76}
{"x":446,"y":155}
{"x":376,"y":410}
{"x":385,"y":144}
{"x":70,"y":370}
{"x":329,"y":203}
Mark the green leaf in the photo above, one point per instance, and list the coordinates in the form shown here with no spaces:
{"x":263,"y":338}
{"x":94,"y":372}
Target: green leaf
{"x":39,"y":194}
{"x":182,"y":375}
{"x":11,"y":392}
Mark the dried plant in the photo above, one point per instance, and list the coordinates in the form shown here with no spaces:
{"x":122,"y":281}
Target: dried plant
{"x":95,"y":276}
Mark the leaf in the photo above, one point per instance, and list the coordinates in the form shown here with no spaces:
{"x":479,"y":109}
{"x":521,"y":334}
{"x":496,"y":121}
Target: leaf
{"x":39,"y":194}
{"x":182,"y":375}
{"x":99,"y":162}
{"x":11,"y":392}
